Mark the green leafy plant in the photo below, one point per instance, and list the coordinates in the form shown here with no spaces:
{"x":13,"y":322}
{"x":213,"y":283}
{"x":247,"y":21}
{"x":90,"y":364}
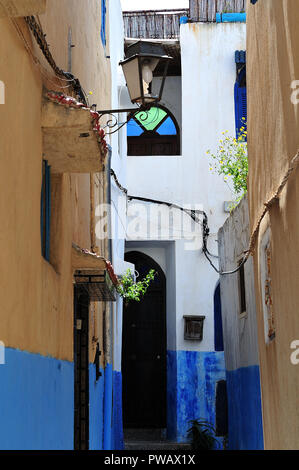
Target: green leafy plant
{"x":202,"y":435}
{"x":128,"y":289}
{"x":230,"y":160}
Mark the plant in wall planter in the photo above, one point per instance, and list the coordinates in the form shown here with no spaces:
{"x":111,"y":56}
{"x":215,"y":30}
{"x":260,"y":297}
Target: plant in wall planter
{"x":129,"y":289}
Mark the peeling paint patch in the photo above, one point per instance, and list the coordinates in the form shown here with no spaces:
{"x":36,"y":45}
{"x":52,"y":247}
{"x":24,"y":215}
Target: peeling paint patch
{"x":195,"y":398}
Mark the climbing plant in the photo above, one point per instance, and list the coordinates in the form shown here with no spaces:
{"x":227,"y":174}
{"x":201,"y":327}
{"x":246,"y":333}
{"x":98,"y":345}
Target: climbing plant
{"x":128,"y":289}
{"x":230,"y":161}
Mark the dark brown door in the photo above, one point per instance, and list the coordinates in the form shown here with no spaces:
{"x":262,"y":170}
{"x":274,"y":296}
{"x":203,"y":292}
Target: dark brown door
{"x":144,"y":351}
{"x":81,"y":359}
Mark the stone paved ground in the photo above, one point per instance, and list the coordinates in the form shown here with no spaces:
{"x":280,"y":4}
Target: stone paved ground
{"x":150,"y":439}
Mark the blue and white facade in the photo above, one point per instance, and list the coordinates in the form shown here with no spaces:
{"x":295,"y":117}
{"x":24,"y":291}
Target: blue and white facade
{"x":245,"y":424}
{"x":202,"y":101}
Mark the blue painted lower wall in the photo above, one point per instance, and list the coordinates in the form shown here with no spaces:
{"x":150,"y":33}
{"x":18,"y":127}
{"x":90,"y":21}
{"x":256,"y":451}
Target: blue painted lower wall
{"x":105,"y":410}
{"x":36,"y":402}
{"x":108,"y":394}
{"x":191,"y":391}
{"x":244,"y":409}
{"x":117,"y":416}
{"x":171,"y":395}
{"x":96,"y":415}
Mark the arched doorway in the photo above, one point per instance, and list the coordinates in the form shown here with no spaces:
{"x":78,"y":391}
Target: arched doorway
{"x":144,"y":351}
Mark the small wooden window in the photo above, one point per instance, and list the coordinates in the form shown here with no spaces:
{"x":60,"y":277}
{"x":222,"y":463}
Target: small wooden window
{"x":193,"y":329}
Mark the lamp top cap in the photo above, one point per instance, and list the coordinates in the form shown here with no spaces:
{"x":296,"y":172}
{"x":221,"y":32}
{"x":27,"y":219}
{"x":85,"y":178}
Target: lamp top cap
{"x":147,"y":48}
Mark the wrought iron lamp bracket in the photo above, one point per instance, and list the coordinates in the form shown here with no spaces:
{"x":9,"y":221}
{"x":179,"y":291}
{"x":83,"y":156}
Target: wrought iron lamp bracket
{"x":113,"y":122}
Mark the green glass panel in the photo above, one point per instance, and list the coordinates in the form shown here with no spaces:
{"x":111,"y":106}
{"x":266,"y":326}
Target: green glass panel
{"x":151,"y":119}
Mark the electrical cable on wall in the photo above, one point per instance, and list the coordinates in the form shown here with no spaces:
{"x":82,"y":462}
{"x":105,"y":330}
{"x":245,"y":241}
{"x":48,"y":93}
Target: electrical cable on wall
{"x":205,"y":226}
{"x":40,"y":38}
{"x":293,"y":165}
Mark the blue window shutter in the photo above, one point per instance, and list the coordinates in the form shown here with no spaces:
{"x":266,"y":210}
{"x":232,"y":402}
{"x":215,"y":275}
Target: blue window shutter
{"x":240,"y":108}
{"x":46,"y":210}
{"x":103,"y":28}
{"x":42,"y":212}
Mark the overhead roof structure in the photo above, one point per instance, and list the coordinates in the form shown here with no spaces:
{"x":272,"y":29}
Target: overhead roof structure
{"x":172,"y":48}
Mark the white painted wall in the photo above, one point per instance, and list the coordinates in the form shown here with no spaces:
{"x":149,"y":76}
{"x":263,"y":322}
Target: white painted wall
{"x":239,"y":331}
{"x":208,"y":77}
{"x":118,"y":142}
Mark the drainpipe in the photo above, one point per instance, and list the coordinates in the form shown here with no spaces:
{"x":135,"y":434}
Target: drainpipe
{"x":108,"y":330}
{"x":109,"y":202}
{"x":230,"y":17}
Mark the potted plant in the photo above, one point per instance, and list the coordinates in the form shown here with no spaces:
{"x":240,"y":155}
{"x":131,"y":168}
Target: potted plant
{"x":202,"y":435}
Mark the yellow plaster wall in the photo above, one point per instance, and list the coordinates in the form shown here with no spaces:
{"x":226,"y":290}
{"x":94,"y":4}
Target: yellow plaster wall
{"x":273,"y":130}
{"x":36,"y":297}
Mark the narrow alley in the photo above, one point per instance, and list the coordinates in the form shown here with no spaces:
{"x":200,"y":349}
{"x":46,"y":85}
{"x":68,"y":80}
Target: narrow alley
{"x":149,"y":226}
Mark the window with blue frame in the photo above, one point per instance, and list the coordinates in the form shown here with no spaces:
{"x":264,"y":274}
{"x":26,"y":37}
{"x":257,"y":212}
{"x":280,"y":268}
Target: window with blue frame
{"x":241,"y":94}
{"x":103,"y":27}
{"x":46,"y":210}
{"x":153,"y":132}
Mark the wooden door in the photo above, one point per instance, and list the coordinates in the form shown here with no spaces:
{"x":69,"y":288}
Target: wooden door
{"x":144,"y":351}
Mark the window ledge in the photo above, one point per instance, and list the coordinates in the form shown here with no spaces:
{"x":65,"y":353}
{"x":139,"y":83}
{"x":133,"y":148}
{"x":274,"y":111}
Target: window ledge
{"x":155,"y":156}
{"x":73,"y":141}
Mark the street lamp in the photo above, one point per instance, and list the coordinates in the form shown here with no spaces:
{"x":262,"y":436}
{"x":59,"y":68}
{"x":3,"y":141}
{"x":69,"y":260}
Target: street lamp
{"x":142,"y":58}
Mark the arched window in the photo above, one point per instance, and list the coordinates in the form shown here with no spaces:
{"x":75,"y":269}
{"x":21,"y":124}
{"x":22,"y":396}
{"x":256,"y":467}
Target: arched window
{"x":153,"y":132}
